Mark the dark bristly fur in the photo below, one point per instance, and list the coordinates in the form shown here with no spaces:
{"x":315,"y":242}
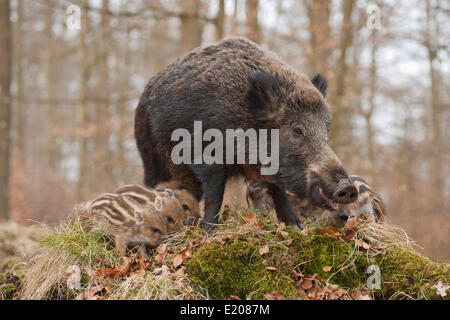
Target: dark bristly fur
{"x":236,"y":84}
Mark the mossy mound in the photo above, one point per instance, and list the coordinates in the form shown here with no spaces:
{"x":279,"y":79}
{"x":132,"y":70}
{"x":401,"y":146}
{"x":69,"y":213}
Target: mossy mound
{"x":250,"y":256}
{"x":238,"y":269}
{"x":9,"y":284}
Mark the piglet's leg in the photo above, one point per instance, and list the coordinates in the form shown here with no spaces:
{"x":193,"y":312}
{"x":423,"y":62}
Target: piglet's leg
{"x":120,"y":245}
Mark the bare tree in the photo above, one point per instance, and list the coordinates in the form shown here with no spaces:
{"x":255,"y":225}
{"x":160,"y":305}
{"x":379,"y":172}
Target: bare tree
{"x":253,"y":29}
{"x":5,"y":105}
{"x":102,"y":110}
{"x":340,"y":131}
{"x":52,"y":145}
{"x":319,"y":32}
{"x":431,"y":45}
{"x":234,"y":19}
{"x":82,"y":110}
{"x":19,"y":114}
{"x":220,"y":20}
{"x":191,"y":25}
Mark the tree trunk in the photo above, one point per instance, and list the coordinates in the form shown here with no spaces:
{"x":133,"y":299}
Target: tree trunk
{"x":191,"y":25}
{"x":5,"y":105}
{"x":367,"y":114}
{"x":434,"y":129}
{"x":253,"y":30}
{"x":102,"y":108}
{"x":52,"y":144}
{"x":320,"y":40}
{"x":82,"y":114}
{"x":234,"y":19}
{"x":19,"y":107}
{"x":220,"y":20}
{"x":341,"y":130}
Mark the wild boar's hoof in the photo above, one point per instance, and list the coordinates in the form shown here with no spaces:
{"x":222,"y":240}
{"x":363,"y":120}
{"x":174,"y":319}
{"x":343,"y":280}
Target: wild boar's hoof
{"x":208,"y":227}
{"x":299,"y":227}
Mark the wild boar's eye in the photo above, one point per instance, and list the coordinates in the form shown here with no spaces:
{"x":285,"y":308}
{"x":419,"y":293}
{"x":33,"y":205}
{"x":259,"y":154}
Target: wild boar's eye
{"x":298,"y":132}
{"x":185,"y":207}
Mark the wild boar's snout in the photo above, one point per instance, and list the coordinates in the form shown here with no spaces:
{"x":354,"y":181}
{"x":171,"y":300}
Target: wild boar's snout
{"x":329,"y":182}
{"x":345,"y":193}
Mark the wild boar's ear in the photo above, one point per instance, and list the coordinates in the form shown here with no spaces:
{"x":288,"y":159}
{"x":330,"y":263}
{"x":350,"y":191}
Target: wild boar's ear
{"x":321,"y":83}
{"x":262,"y":91}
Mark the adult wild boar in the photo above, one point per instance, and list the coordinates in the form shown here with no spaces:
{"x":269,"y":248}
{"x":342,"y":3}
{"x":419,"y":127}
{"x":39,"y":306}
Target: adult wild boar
{"x":237,"y":84}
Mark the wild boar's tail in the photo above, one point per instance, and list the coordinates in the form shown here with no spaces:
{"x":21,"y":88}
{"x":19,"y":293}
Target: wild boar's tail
{"x":153,"y":173}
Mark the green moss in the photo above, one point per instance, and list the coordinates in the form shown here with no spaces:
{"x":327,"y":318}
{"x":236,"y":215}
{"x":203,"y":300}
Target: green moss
{"x":410,"y":273}
{"x":235,"y":269}
{"x":8,"y":286}
{"x":238,"y":269}
{"x":401,"y":270}
{"x":315,"y":253}
{"x":87,"y":245}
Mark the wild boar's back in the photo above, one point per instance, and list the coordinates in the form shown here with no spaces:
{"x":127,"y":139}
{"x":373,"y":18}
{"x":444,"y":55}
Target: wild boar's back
{"x":212,"y":79}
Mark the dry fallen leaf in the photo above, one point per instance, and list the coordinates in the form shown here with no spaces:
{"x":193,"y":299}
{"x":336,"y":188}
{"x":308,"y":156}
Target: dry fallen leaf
{"x":90,"y":293}
{"x":297,"y":275}
{"x":362,"y":244}
{"x":162,"y":249}
{"x":161,"y":272}
{"x":159,"y":259}
{"x":305,"y":231}
{"x":250,"y":218}
{"x":234,"y":298}
{"x":330,"y":231}
{"x":357,"y":295}
{"x":187,"y":253}
{"x":283,"y":234}
{"x":341,"y":292}
{"x":264,"y":250}
{"x":349,"y":234}
{"x":178,"y":260}
{"x":276,"y":295}
{"x":352,"y":222}
{"x":306,"y":284}
{"x":327,"y":268}
{"x":181,"y":271}
{"x":119,"y":271}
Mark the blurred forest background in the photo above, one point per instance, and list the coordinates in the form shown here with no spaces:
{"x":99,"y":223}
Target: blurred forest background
{"x":68,"y":94}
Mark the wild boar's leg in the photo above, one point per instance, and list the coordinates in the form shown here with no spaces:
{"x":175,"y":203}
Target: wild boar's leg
{"x":283,"y":206}
{"x":213,"y":179}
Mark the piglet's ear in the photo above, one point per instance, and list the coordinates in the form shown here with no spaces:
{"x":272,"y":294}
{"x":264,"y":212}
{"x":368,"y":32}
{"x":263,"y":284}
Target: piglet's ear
{"x":139,"y":217}
{"x":262,"y":92}
{"x":321,"y":83}
{"x":170,"y":193}
{"x":158,"y":204}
